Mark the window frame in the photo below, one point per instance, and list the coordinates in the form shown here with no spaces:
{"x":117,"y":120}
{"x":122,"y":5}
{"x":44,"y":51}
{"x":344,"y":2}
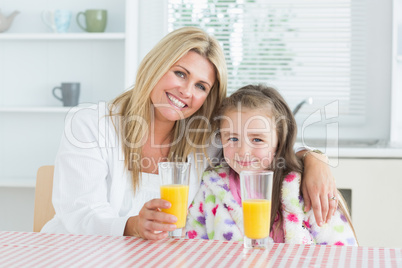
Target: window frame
{"x":396,"y":121}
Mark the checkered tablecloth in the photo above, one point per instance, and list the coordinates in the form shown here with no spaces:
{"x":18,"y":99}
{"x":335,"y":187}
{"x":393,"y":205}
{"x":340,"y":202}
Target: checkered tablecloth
{"x":18,"y":249}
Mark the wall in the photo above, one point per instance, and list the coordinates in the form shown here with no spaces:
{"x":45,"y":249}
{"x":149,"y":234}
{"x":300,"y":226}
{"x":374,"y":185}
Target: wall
{"x":16,"y":208}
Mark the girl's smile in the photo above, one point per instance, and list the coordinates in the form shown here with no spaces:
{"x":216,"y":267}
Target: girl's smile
{"x":247,"y":161}
{"x":244,"y":163}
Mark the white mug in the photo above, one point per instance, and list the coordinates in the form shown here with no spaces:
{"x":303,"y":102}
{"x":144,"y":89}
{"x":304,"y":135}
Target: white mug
{"x":57,"y":20}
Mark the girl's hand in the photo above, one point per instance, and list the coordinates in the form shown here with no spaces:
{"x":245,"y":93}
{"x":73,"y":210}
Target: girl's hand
{"x":318,"y":186}
{"x":151,"y":223}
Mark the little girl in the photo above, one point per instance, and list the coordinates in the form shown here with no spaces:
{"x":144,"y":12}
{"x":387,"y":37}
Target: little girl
{"x":258,"y":132}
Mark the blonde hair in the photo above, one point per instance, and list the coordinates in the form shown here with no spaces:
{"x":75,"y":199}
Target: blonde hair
{"x":268,"y":98}
{"x":136,"y":102}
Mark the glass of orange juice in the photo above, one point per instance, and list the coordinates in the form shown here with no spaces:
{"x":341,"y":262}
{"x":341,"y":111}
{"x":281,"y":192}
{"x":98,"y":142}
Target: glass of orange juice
{"x":174,"y":189}
{"x":256,"y":193}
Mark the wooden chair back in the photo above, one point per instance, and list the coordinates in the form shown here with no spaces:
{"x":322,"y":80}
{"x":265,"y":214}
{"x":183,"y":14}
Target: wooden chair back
{"x":43,"y":211}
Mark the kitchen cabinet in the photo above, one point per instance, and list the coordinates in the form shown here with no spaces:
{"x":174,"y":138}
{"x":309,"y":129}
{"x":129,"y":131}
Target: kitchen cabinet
{"x":376,"y":198}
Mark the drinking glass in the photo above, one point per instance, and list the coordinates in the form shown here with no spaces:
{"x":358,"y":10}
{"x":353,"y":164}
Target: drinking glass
{"x":174,"y":189}
{"x":256,"y":193}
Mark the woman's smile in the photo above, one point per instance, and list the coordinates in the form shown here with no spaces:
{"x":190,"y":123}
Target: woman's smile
{"x":175,"y":101}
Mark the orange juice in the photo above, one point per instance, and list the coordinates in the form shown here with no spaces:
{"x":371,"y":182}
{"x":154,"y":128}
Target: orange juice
{"x":177,"y":195}
{"x":257,"y":218}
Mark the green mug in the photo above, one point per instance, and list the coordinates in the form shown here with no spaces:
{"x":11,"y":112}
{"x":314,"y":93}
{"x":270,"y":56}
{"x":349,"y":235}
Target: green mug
{"x":95,"y":20}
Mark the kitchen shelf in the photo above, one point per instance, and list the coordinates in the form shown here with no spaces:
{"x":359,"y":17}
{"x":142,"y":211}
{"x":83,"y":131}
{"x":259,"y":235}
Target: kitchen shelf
{"x":38,"y":109}
{"x":62,"y":36}
{"x":34,"y":109}
{"x":18,"y":182}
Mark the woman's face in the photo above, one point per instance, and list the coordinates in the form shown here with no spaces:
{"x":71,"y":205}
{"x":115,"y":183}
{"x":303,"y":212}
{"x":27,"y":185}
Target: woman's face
{"x":183,"y":89}
{"x":249,"y":139}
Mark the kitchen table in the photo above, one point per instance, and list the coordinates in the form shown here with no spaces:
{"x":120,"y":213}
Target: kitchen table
{"x":24,"y":249}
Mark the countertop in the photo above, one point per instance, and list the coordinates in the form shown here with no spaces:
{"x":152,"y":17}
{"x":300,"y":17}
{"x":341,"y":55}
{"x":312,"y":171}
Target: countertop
{"x":364,"y":149}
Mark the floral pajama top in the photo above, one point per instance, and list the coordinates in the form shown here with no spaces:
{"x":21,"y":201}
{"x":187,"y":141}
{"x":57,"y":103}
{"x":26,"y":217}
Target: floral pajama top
{"x":215,"y":214}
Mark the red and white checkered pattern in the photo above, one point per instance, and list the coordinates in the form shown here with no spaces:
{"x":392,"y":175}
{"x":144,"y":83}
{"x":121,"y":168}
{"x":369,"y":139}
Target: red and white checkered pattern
{"x":19,"y":249}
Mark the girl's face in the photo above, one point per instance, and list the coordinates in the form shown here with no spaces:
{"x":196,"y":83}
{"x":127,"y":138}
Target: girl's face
{"x":249,"y":139}
{"x":184,"y":88}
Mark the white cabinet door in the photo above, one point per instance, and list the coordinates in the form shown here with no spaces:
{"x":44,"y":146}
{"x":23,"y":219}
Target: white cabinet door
{"x":376,"y":186}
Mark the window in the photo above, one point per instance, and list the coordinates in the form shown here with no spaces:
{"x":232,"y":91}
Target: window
{"x":336,"y":52}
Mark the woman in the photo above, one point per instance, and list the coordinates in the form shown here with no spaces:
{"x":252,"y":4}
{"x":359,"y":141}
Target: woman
{"x":105,"y":179}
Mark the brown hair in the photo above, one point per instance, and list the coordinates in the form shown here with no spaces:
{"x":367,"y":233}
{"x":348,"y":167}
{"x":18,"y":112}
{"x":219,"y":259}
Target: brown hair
{"x":285,"y":160}
{"x":136,"y":102}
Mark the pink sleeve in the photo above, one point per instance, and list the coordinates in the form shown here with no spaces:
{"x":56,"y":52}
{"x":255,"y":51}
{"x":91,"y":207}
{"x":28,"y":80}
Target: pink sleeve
{"x":234,"y":186}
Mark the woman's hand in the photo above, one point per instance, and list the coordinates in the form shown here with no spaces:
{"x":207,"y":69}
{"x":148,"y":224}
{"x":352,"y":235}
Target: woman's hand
{"x":151,"y":223}
{"x":318,"y":186}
